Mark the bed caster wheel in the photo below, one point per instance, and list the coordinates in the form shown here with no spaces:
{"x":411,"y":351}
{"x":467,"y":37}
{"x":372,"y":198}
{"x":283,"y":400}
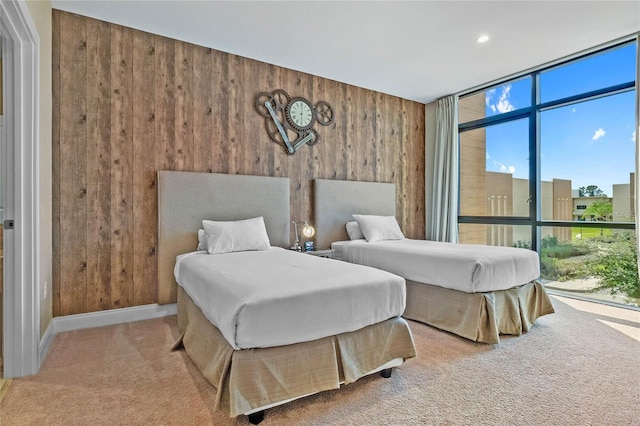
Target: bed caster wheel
{"x":256,"y":418}
{"x":386,"y":373}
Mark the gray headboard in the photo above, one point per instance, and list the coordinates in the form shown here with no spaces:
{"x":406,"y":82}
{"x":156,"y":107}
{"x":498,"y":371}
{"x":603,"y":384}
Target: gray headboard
{"x":186,"y":198}
{"x":335,"y":201}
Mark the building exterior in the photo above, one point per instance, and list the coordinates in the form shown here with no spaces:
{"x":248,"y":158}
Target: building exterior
{"x":505,"y":195}
{"x":489,"y":193}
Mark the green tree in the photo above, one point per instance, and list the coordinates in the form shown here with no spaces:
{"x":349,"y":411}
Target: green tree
{"x":617,"y":268}
{"x":599,"y":210}
{"x":591,"y":191}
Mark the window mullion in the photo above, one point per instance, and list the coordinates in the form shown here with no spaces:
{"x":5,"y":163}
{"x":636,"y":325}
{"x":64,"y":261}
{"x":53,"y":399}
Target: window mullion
{"x":534,"y":162}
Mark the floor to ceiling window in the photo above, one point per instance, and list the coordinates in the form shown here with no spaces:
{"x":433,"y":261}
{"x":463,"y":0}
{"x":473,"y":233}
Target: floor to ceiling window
{"x":547,"y":162}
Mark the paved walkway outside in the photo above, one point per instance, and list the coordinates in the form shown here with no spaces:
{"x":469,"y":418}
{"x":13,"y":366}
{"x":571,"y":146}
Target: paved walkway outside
{"x":583,"y":287}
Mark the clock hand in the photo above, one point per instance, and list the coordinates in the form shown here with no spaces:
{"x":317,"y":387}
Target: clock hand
{"x":283,"y":133}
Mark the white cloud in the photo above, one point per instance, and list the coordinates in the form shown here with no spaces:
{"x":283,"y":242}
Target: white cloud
{"x":502,"y":104}
{"x":504,"y":168}
{"x":488,"y":96}
{"x":633,"y":136}
{"x":573,"y":110}
{"x":598,"y":134}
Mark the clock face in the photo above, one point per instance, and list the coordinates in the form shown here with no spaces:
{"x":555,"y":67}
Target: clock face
{"x":300,"y":114}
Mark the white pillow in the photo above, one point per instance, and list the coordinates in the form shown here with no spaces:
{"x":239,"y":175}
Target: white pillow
{"x":354,"y":231}
{"x":379,"y":228}
{"x":202,"y":240}
{"x":238,"y":235}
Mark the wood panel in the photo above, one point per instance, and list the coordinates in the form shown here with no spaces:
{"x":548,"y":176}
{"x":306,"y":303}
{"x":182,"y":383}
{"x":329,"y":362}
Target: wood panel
{"x":72,"y":170}
{"x":55,"y":166}
{"x":144,"y":169}
{"x":98,"y":166}
{"x":121,"y":201}
{"x":129,"y":103}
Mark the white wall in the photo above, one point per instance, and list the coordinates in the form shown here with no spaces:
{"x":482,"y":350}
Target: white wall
{"x":40,"y":11}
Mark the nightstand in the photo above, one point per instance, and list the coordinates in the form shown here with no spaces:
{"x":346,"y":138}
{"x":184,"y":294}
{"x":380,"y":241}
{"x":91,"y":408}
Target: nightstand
{"x":321,"y":253}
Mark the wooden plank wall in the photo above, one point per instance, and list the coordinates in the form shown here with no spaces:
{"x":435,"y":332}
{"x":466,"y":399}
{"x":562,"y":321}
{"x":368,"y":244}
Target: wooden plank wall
{"x":128,"y":103}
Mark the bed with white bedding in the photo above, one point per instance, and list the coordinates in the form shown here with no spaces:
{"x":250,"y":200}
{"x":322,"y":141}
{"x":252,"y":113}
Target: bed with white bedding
{"x":263,"y":324}
{"x":475,"y":291}
{"x":471,"y":268}
{"x":280,"y":297}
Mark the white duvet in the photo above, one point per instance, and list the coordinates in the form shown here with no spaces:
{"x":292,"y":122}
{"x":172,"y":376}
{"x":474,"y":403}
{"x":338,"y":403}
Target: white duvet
{"x":278,"y":297}
{"x":471,"y":268}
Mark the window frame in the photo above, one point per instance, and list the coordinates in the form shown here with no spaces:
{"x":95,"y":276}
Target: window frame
{"x":533,"y":113}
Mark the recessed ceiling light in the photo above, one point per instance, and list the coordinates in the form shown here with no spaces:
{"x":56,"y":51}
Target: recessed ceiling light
{"x":483,"y":39}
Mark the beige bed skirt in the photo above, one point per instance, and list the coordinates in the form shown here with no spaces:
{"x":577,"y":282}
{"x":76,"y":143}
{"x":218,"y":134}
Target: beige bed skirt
{"x":249,"y":379}
{"x":480,"y":317}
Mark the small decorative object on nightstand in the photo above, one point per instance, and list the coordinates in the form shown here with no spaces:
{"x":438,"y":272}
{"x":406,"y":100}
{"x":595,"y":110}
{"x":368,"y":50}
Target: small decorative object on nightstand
{"x":307,"y":232}
{"x":321,"y":253}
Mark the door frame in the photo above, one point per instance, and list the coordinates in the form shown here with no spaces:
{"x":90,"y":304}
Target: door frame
{"x":21,"y":325}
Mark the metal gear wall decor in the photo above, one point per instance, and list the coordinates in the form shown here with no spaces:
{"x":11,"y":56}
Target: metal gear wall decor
{"x":289,"y":121}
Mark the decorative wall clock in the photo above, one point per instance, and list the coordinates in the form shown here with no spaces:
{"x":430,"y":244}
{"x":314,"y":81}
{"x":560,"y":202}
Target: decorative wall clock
{"x":290,"y":121}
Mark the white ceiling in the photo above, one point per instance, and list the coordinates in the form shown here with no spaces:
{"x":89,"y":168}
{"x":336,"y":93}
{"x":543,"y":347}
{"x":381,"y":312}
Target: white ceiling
{"x":418,"y":50}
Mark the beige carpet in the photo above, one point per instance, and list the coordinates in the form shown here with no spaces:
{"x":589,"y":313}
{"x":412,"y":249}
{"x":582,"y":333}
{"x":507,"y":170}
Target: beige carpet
{"x":578,"y":366}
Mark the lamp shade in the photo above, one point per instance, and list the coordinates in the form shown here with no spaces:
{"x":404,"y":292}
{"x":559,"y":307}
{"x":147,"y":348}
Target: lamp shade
{"x":308,"y":231}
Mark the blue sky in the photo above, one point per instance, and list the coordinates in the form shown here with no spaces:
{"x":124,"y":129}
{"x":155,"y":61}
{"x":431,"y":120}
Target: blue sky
{"x":589,"y":143}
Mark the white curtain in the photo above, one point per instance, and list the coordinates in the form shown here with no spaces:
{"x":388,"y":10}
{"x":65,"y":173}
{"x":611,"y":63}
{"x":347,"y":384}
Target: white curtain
{"x":444,"y":208}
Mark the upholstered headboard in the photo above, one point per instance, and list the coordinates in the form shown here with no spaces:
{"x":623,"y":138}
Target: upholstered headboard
{"x":335,"y":202}
{"x":186,"y":198}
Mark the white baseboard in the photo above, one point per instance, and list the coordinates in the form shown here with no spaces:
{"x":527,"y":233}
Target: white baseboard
{"x":112,"y":316}
{"x":45,"y":343}
{"x":100,"y":319}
